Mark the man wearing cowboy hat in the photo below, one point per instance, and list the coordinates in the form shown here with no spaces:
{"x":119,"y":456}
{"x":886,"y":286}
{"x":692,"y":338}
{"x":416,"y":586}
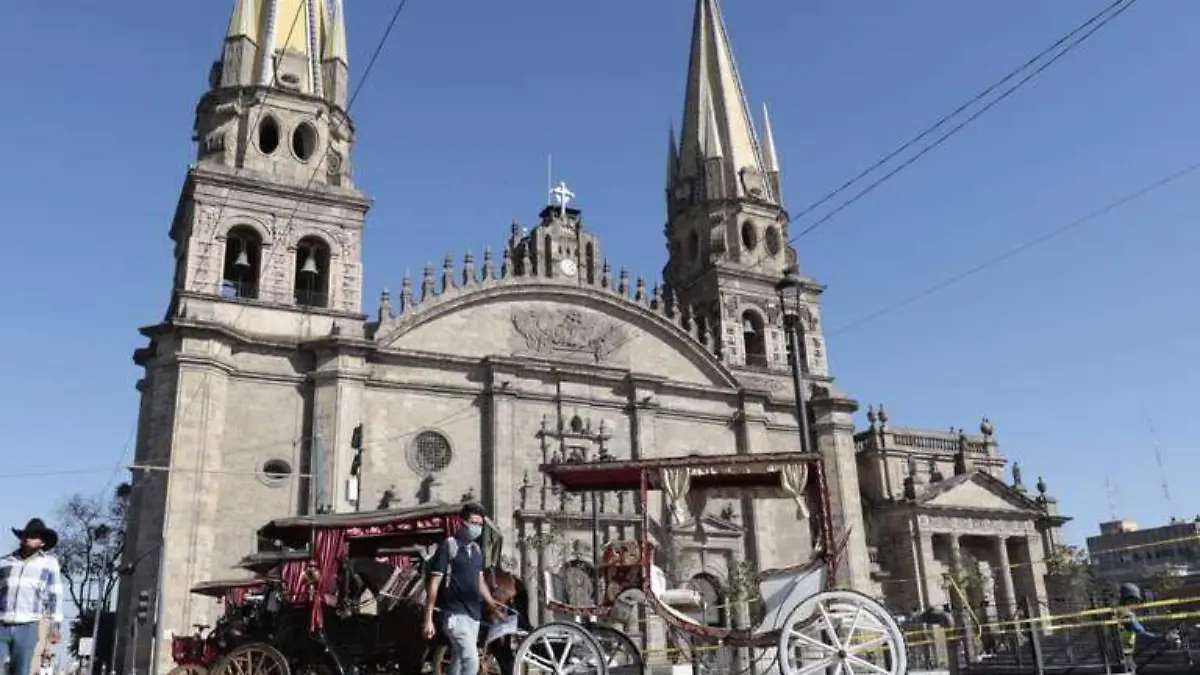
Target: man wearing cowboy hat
{"x":30,"y":587}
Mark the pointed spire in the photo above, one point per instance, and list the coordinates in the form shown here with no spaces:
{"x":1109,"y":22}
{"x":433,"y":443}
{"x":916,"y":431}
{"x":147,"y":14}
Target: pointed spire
{"x":715,"y":115}
{"x":244,"y":21}
{"x":335,"y":34}
{"x":672,"y":159}
{"x":770,"y":159}
{"x":712,"y":136}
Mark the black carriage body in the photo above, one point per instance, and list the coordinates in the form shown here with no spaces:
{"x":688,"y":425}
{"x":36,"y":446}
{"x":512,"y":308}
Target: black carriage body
{"x":344,"y":640}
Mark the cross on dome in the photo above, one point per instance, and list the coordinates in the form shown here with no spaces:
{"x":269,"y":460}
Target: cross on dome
{"x":562,"y":194}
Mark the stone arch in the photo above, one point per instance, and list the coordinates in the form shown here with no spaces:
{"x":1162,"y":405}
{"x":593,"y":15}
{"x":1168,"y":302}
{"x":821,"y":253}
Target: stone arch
{"x":312,"y":275}
{"x":228,"y":224}
{"x":754,"y":336}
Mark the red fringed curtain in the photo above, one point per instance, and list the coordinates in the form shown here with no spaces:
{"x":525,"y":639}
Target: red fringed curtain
{"x":327,"y":554}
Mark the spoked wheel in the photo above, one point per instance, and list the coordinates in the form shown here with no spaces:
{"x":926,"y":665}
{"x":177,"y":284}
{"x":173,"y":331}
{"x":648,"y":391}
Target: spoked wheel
{"x":255,"y":658}
{"x":188,"y":669}
{"x":488,"y":665}
{"x":621,"y":654}
{"x":844,"y":630}
{"x":560,"y":649}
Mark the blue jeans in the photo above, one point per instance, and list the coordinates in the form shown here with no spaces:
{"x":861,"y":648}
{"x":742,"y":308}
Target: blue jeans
{"x":462,"y":632}
{"x":18,"y":642}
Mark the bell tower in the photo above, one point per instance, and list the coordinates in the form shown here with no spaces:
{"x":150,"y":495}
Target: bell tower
{"x":269,"y":214}
{"x":727,"y":228}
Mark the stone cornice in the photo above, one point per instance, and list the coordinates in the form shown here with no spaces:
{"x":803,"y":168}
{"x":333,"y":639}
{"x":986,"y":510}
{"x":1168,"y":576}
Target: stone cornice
{"x":272,"y":306}
{"x":318,"y":194}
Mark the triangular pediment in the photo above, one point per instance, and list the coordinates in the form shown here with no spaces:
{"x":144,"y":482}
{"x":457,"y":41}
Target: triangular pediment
{"x":977,"y":492}
{"x":711,"y":526}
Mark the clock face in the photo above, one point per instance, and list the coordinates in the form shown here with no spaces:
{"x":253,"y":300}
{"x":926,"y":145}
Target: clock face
{"x":568,"y":267}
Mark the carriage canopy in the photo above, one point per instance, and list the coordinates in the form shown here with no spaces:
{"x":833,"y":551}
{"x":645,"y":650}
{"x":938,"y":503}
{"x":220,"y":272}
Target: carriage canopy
{"x":232,"y":591}
{"x":395,"y":534}
{"x":783,"y":473}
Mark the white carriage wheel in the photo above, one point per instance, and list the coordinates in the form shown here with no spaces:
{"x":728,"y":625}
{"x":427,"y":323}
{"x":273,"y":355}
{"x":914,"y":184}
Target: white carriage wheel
{"x":621,"y":654}
{"x":560,"y":648}
{"x":845,"y":629}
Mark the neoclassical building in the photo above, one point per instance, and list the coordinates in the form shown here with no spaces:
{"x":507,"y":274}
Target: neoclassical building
{"x":464,"y":380}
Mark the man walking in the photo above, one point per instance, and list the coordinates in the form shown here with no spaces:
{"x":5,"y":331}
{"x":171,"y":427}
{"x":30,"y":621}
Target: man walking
{"x":458,"y":591}
{"x":30,"y":587}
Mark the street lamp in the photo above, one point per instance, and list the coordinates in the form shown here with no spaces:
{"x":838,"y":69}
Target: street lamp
{"x":790,"y":289}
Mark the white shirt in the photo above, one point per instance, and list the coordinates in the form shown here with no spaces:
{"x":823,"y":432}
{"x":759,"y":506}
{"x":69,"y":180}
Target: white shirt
{"x":29,"y":588}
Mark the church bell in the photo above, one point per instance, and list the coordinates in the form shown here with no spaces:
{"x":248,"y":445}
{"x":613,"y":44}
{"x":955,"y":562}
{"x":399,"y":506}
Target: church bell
{"x":243,"y":260}
{"x":310,"y":264}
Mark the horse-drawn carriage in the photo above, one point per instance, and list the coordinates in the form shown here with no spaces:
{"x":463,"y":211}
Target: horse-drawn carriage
{"x":807,"y":624}
{"x":343,"y":594}
{"x":194,"y":654}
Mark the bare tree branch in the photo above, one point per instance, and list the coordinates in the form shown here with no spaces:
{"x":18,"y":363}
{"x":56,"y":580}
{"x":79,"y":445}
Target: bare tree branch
{"x":91,"y":540}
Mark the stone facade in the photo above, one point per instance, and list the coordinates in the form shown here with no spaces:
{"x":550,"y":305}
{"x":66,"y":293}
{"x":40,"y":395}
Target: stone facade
{"x":944,"y":526}
{"x":467,"y":379}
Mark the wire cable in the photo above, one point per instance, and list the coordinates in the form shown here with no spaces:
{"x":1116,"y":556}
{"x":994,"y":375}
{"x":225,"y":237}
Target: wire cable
{"x":960,"y":126}
{"x":1013,"y":252}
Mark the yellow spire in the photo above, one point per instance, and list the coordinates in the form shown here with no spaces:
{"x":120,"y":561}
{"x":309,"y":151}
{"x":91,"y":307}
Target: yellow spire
{"x":335,"y":34}
{"x":244,"y":21}
{"x":291,"y":26}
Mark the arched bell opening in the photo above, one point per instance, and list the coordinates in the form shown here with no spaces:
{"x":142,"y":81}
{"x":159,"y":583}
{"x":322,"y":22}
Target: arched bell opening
{"x":243,"y":260}
{"x":312,"y":273}
{"x":754,"y":339}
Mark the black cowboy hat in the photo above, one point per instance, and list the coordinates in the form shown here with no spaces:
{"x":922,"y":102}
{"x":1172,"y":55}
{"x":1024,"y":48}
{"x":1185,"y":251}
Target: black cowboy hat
{"x":36,"y":528}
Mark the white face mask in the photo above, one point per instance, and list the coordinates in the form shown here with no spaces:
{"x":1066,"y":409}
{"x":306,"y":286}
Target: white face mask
{"x":474,"y":531}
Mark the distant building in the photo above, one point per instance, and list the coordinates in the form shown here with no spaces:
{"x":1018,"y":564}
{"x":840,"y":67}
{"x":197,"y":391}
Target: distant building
{"x":1124,"y":552}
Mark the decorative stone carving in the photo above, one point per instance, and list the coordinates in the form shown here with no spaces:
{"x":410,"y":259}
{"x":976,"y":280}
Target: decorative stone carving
{"x":761,"y":383}
{"x":206,"y":224}
{"x":753,"y":182}
{"x":569,"y":333}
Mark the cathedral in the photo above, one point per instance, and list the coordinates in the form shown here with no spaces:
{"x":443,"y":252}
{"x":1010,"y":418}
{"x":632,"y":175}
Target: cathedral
{"x":268,"y":370}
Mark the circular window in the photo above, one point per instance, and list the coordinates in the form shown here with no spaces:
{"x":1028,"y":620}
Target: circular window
{"x":430,"y":453}
{"x":774,"y":242}
{"x":694,"y":246}
{"x":304,"y":141}
{"x":268,"y":135}
{"x":749,"y":236}
{"x":275,"y":472}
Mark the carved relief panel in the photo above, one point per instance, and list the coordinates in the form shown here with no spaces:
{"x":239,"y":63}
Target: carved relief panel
{"x":571,"y":335}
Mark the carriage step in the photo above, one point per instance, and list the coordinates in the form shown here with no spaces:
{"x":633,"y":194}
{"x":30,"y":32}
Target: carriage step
{"x":656,"y":669}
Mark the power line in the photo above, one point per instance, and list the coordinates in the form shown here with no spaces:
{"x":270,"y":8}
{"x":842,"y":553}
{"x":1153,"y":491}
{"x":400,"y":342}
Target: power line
{"x":1011,"y":253}
{"x":1086,"y":33}
{"x":374,"y":444}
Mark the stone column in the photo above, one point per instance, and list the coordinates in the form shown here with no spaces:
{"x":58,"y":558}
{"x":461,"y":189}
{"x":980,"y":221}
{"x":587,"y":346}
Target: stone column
{"x":1008,"y":594}
{"x":955,"y":568}
{"x":1037,"y":574}
{"x":502,"y":459}
{"x":834,"y":429}
{"x":191,"y":447}
{"x":337,"y":409}
{"x":923,"y":554}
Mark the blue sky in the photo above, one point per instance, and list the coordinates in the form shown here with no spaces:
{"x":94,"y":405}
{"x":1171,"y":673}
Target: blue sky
{"x":1067,"y":348}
